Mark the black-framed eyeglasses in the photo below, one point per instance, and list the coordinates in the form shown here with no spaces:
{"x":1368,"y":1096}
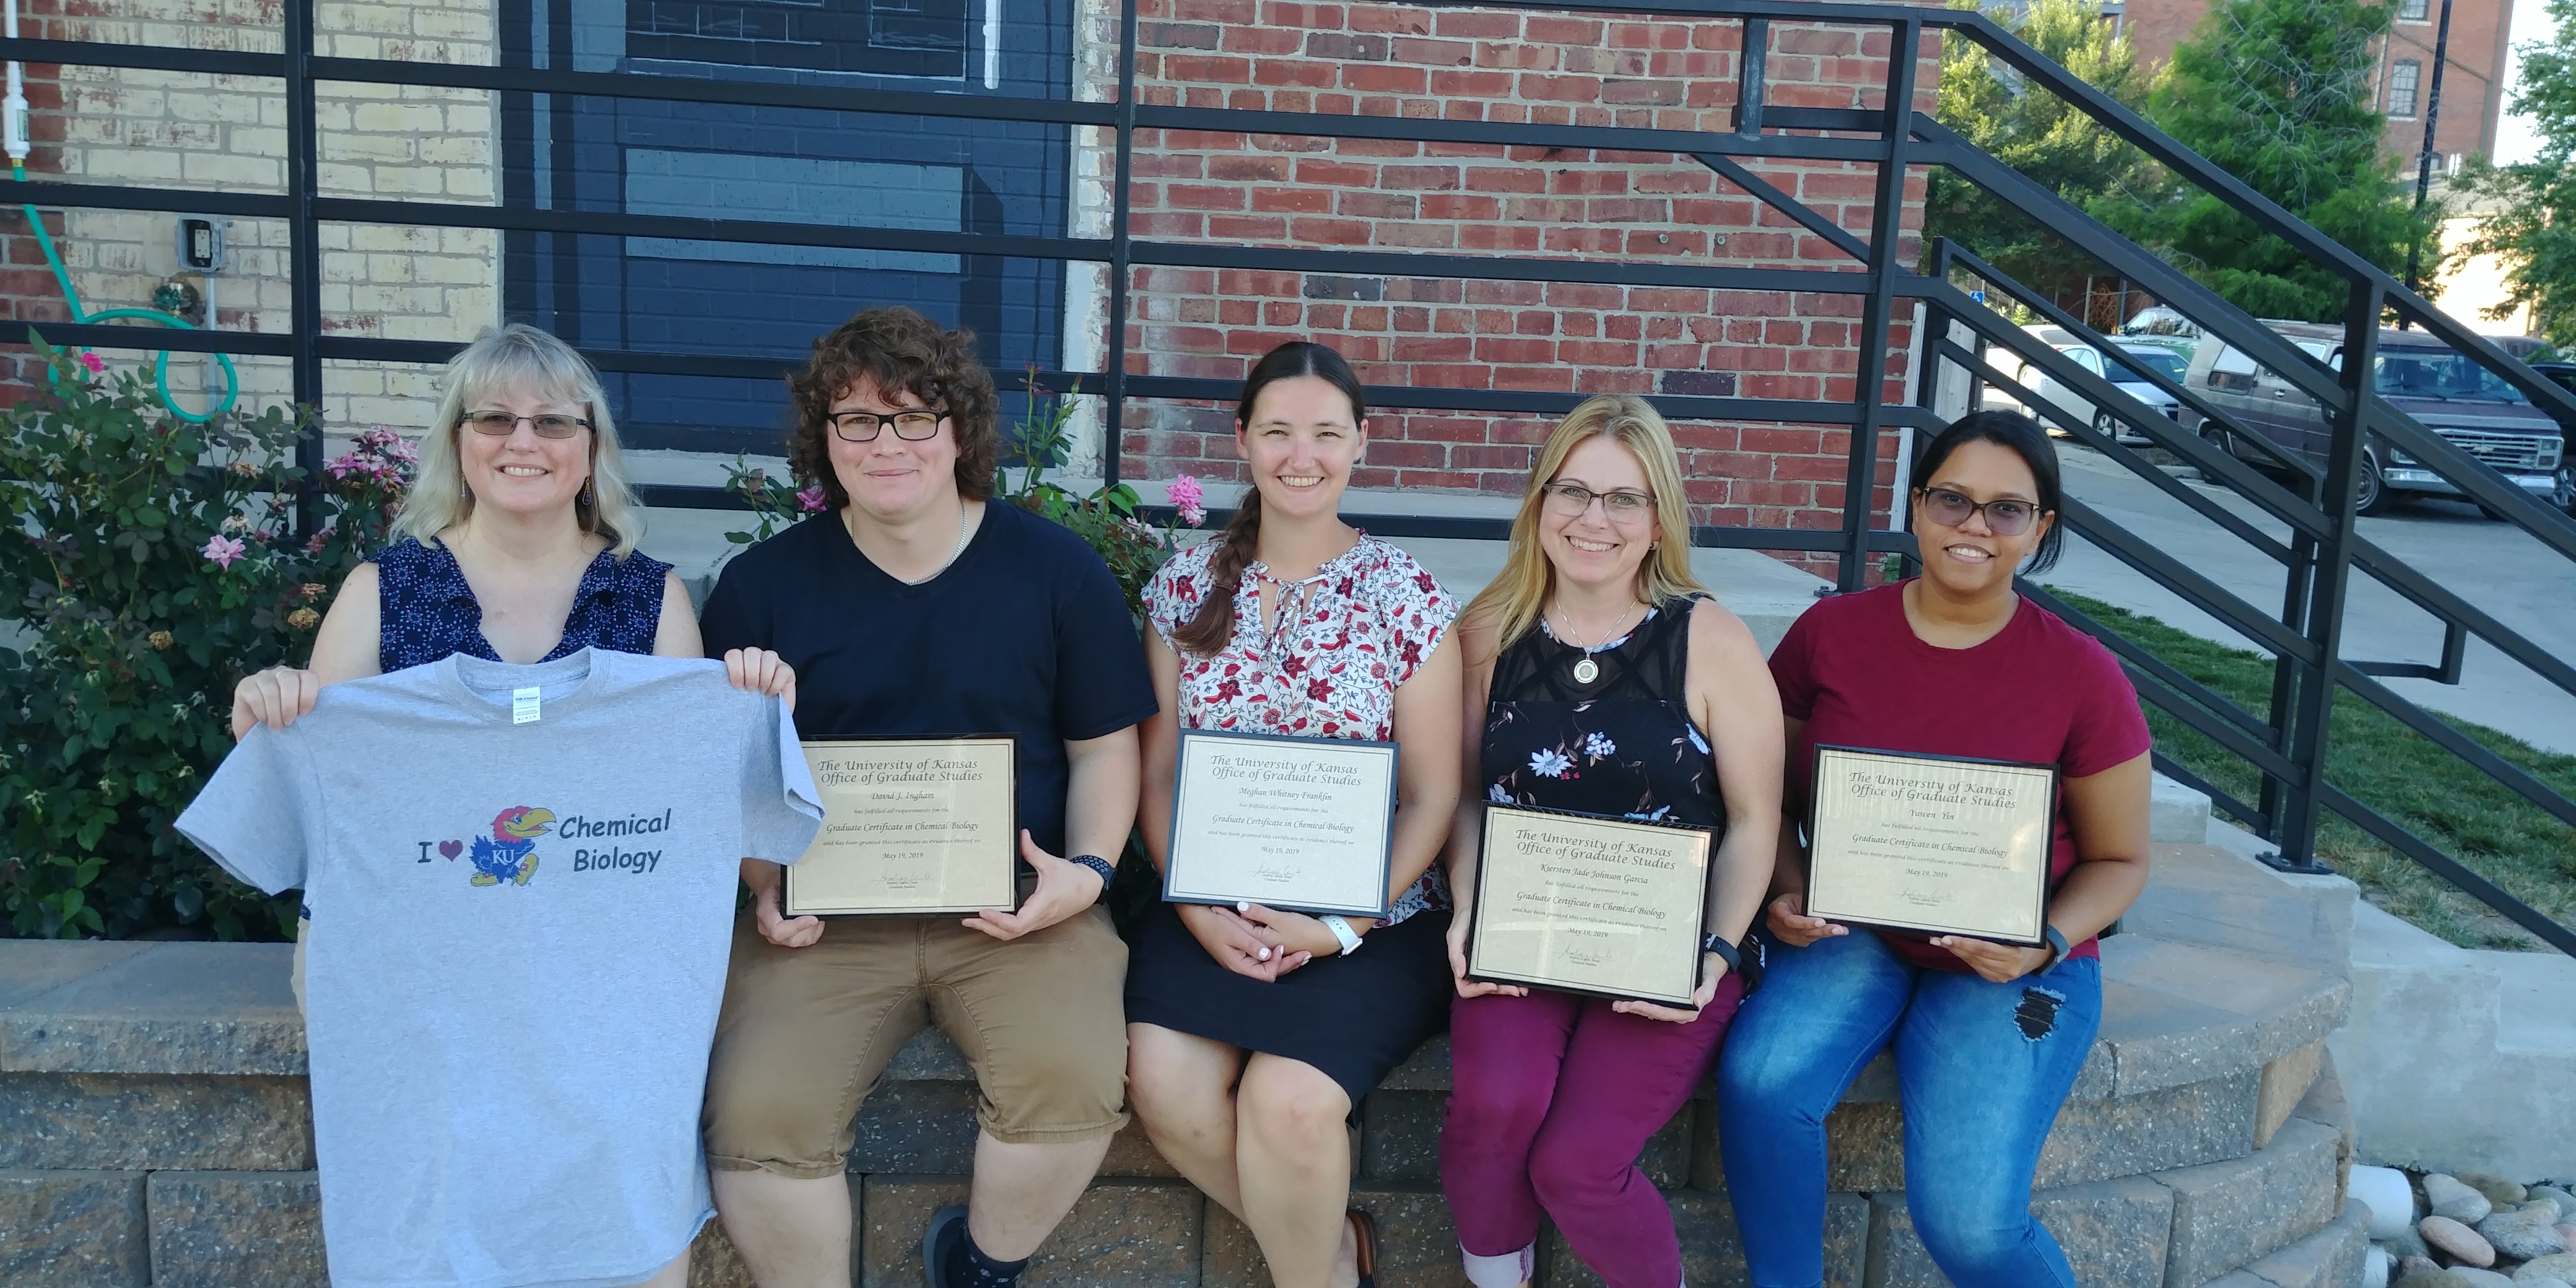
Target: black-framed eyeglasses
{"x":501,"y":424}
{"x":1572,"y":499}
{"x":2005,"y":516}
{"x":864,"y":426}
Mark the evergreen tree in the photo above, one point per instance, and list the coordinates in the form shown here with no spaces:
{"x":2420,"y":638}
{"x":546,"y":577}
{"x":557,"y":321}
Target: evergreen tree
{"x":2278,"y":93}
{"x":2529,"y":210}
{"x":2034,"y":132}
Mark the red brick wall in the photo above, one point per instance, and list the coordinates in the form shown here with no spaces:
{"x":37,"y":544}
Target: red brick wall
{"x":1531,"y":202}
{"x":28,"y":291}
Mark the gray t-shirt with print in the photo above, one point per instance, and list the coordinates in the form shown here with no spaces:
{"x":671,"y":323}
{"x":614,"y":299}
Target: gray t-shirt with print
{"x":529,"y":874}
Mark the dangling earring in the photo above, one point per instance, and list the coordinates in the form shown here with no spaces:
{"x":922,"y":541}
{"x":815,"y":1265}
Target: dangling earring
{"x":586,"y":498}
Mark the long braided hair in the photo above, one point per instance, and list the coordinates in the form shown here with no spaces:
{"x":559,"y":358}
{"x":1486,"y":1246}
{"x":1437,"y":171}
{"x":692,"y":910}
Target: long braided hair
{"x":1207,"y":633}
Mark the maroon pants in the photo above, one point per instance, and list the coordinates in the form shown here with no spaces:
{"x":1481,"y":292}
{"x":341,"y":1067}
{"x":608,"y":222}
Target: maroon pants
{"x":1553,"y":1097}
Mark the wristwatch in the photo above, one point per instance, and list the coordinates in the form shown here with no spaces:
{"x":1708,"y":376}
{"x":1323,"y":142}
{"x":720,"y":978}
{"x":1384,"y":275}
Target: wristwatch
{"x":1099,"y":865}
{"x":1716,"y":943}
{"x":1342,"y":931}
{"x":2057,"y":948}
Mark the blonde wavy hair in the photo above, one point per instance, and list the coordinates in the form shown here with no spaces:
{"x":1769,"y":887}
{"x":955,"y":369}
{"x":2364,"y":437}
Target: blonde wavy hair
{"x":520,"y":358}
{"x":1512,"y":602}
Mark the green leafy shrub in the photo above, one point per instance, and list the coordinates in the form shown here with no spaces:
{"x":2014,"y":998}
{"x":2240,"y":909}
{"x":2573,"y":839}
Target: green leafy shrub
{"x":152,"y":565}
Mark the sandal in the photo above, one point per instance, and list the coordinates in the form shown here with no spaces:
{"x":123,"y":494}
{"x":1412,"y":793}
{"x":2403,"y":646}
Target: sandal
{"x":1364,"y":1242}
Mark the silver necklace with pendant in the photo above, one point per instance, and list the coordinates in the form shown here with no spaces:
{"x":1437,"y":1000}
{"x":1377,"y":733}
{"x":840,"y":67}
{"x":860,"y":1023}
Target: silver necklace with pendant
{"x":1587,"y":670}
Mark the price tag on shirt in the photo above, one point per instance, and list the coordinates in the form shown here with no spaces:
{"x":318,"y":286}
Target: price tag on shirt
{"x":523,"y":706}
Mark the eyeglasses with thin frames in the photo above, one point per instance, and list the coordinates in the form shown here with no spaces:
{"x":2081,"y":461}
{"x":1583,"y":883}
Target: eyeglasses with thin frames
{"x":501,"y":424}
{"x":1571,"y":500}
{"x":864,"y":426}
{"x":2005,"y":516}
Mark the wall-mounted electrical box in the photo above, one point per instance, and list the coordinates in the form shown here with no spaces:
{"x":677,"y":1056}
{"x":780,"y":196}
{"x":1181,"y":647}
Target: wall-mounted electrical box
{"x":201,"y":243}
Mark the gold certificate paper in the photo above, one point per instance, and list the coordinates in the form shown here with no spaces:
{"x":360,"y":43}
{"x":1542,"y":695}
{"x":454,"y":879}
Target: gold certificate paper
{"x":1306,"y":824}
{"x":1583,"y":904}
{"x":1929,"y":843}
{"x":911,"y":826}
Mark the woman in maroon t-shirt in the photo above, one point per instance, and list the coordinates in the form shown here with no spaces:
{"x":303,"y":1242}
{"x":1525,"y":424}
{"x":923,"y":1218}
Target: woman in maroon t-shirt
{"x":1988,"y":1037}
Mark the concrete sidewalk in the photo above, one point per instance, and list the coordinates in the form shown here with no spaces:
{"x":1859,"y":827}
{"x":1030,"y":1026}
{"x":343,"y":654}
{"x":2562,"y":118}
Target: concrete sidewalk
{"x":2523,"y":584}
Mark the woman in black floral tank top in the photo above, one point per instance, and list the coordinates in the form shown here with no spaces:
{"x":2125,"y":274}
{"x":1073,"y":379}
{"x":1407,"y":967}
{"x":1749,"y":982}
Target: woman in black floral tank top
{"x":1602,"y":679}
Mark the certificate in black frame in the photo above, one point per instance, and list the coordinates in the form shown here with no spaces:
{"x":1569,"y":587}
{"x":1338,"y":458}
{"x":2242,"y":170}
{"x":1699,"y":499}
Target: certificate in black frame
{"x":1707,"y":857}
{"x":1011,"y":843}
{"x":1172,"y":859}
{"x":1922,"y":929}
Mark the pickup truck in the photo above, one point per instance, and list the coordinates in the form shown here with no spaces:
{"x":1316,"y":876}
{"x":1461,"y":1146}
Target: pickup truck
{"x":2446,"y":391}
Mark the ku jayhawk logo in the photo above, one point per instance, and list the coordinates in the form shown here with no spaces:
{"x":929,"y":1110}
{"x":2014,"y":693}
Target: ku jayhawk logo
{"x":510,"y":852}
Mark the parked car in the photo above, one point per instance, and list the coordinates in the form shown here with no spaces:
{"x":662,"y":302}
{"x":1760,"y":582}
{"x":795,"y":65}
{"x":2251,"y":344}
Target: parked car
{"x":2448,"y":392}
{"x":2564,"y":374}
{"x":2057,"y":406}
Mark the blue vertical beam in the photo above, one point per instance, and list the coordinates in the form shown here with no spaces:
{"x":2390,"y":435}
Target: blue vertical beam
{"x":1870,"y":378}
{"x":304,"y":257}
{"x":1749,"y":71}
{"x":2314,"y":710}
{"x":1113,"y":430}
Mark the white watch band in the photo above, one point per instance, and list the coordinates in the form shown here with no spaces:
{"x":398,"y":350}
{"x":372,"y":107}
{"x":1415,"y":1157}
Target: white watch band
{"x":1342,"y":931}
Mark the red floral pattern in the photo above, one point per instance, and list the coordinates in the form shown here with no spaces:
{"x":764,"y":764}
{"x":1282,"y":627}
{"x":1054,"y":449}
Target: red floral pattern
{"x":1362,"y":626}
{"x":1364,"y":623}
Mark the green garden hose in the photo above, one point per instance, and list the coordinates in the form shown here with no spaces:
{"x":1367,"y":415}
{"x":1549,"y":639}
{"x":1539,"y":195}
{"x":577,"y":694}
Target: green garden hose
{"x":161,"y":363}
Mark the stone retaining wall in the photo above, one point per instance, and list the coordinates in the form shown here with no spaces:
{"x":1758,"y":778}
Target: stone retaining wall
{"x":154,"y":1130}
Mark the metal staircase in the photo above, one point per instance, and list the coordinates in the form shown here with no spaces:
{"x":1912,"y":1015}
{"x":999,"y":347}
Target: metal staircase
{"x":2287,"y":742}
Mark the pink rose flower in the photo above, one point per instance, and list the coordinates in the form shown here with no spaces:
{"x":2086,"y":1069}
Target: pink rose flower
{"x":811,"y":499}
{"x":223,"y":550}
{"x":1189,"y":500}
{"x":96,"y":365}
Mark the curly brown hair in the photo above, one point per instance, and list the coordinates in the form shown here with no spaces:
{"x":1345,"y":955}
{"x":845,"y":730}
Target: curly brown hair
{"x":899,"y":350}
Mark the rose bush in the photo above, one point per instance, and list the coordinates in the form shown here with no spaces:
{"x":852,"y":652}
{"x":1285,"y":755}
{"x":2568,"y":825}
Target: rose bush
{"x":151,"y":563}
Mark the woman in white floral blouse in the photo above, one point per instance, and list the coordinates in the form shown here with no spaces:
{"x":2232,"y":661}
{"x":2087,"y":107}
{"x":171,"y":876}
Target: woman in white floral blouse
{"x":1252,"y":1033}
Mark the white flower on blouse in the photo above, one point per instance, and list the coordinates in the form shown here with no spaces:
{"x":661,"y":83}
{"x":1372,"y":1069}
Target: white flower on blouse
{"x":1550,"y":763}
{"x":1697,"y":741}
{"x":1494,"y":792}
{"x":1597,"y":746}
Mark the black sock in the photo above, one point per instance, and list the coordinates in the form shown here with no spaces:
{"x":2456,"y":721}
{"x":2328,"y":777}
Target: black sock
{"x":966,"y":1266}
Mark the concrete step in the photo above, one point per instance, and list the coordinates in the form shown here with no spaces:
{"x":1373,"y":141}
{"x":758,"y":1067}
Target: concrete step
{"x":2456,"y":1058}
{"x":2330,"y":1258}
{"x":2177,"y":815}
{"x":2199,"y":1049}
{"x":2217,"y":895}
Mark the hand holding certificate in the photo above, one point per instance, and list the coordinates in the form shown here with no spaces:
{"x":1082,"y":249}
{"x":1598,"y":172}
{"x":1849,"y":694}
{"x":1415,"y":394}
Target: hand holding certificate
{"x":1935,"y":844}
{"x":912,"y":827}
{"x":1304,"y":824}
{"x":1579,"y":903}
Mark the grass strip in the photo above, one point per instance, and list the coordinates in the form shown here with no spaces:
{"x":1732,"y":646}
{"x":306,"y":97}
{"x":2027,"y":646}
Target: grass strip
{"x":2487,"y":826}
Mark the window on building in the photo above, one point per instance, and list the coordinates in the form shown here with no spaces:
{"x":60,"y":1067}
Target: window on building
{"x":2402,"y":81}
{"x":2414,"y":10}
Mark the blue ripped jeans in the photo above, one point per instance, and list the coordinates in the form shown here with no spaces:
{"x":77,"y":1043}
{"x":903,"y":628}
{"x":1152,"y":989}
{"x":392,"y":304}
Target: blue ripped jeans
{"x":1982,"y":1069}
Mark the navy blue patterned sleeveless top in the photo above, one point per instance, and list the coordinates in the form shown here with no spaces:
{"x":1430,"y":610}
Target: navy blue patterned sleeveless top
{"x":1623,"y":745}
{"x":429,"y":611}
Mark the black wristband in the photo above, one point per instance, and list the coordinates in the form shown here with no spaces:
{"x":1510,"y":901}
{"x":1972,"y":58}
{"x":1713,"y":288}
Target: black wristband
{"x":1716,"y":943}
{"x":1099,"y":865}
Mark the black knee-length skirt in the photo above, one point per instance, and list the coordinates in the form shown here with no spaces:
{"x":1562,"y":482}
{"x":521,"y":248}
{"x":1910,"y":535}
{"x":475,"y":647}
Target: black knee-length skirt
{"x":1355,"y":1017}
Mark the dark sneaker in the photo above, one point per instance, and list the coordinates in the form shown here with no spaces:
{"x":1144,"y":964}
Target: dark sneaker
{"x":947,"y":1226}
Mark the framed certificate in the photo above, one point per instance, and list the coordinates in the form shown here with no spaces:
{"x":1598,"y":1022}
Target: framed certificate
{"x":911,"y":827}
{"x":1306,"y":824}
{"x":1583,"y":903}
{"x":1940,"y":845}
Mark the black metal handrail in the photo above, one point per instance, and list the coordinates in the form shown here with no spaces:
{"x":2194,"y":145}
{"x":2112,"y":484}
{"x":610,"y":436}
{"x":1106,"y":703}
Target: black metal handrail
{"x":2286,"y":745}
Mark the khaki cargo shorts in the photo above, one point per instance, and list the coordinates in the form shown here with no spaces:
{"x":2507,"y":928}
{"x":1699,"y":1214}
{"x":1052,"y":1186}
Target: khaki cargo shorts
{"x":806,"y":1031}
